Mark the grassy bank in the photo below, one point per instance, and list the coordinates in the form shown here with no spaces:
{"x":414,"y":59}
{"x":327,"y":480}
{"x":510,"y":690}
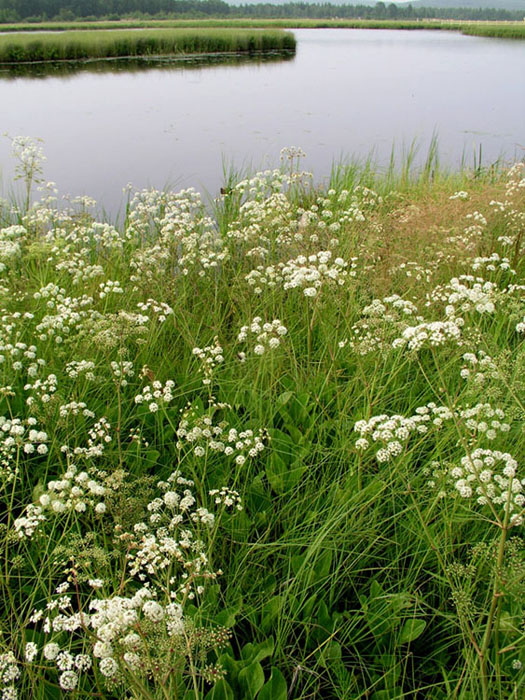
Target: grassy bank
{"x":77,"y":45}
{"x":511,"y":30}
{"x":267,"y":450}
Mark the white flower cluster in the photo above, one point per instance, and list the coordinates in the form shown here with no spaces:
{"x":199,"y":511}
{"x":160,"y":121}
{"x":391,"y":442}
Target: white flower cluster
{"x":121,"y":370}
{"x":109,"y":287}
{"x":267,"y":335}
{"x":415,"y":270}
{"x":491,"y":263}
{"x":78,"y":267}
{"x":461,"y":194}
{"x":70,"y":313}
{"x":491,"y":475}
{"x":199,"y":432}
{"x":156,"y":395}
{"x":28,"y":523}
{"x":30,"y":156}
{"x":432,"y":334}
{"x":392,"y":432}
{"x":227,"y":497}
{"x":478,"y":367}
{"x":269,"y":222}
{"x":383,"y":319}
{"x":185,"y":237}
{"x":520,"y":327}
{"x":308,"y":273}
{"x":14,"y":353}
{"x":159,"y":308}
{"x":10,"y":248}
{"x":75,"y":408}
{"x":42,"y":389}
{"x":9,"y":673}
{"x":482,"y":420}
{"x":99,"y":436}
{"x":75,"y":368}
{"x":464,"y":294}
{"x":75,"y":491}
{"x":209,"y":356}
{"x":114,"y":632}
{"x":19,"y":437}
{"x":510,"y":208}
{"x":390,"y":308}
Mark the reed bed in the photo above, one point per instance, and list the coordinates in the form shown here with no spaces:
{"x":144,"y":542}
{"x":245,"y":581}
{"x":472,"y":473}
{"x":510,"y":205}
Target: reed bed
{"x":514,"y":30}
{"x":503,"y":30}
{"x":99,"y":44}
{"x":268,"y":446}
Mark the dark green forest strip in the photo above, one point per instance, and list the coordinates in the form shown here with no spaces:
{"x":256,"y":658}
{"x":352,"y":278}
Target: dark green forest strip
{"x":26,"y":48}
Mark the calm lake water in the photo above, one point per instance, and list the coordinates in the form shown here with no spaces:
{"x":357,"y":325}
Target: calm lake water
{"x":347,"y":93}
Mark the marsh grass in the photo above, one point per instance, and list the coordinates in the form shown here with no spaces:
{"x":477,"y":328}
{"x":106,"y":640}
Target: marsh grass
{"x":345,"y":576}
{"x":79,"y":45}
{"x":504,"y":30}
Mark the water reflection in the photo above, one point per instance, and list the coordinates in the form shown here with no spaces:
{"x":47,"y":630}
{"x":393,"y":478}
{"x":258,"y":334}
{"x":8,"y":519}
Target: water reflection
{"x":141,"y":64}
{"x":346,"y":94}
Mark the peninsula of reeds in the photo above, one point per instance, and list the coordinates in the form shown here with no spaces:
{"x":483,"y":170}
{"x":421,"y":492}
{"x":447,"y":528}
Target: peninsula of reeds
{"x":100,"y":44}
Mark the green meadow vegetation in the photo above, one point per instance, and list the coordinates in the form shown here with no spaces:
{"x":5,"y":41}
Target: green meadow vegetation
{"x":97,"y":44}
{"x":267,"y":446}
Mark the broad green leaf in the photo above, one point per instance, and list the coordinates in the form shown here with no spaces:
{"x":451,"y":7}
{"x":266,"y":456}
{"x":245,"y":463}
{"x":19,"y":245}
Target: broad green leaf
{"x":275,"y":688}
{"x":412,"y":629}
{"x":251,"y":680}
{"x":270,"y":613}
{"x":220,"y":691}
{"x":329,"y":654}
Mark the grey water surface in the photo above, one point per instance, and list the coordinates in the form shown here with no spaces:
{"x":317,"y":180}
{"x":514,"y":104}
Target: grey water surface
{"x":347,"y":93}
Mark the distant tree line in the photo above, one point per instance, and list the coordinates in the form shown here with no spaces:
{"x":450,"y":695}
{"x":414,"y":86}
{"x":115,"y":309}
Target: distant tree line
{"x":41,"y":10}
